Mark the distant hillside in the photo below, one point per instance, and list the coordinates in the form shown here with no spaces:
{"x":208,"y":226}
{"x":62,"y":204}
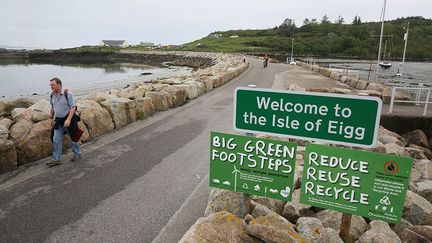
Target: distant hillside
{"x":325,"y":39}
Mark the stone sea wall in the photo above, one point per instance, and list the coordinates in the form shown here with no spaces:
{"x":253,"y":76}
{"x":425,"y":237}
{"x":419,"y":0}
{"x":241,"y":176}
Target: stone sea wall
{"x":271,"y":220}
{"x":25,"y":127}
{"x":367,"y":88}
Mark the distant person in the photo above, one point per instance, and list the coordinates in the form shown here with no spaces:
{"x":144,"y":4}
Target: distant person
{"x":63,"y":120}
{"x":266,"y":59}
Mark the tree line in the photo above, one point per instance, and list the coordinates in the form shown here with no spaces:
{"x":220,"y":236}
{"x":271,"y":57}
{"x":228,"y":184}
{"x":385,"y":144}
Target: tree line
{"x":356,"y":39}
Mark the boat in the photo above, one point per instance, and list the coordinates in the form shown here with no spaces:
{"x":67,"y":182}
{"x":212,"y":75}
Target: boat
{"x":380,"y":43}
{"x":385,"y":65}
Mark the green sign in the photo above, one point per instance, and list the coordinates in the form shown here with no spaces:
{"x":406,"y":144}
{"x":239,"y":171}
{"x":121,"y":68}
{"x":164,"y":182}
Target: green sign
{"x":256,"y":166}
{"x":356,"y":182}
{"x":332,"y":118}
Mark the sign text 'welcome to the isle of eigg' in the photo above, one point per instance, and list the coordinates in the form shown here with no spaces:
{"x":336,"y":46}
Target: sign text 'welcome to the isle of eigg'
{"x":333,"y":118}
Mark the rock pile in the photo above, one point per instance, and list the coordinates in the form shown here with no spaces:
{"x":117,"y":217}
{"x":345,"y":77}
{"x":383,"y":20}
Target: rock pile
{"x":271,"y":220}
{"x":25,"y":128}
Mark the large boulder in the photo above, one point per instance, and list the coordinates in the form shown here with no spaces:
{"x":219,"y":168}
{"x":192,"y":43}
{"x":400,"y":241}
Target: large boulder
{"x":6,"y":106}
{"x":208,"y":83}
{"x":415,"y":153}
{"x":424,"y":189}
{"x":97,"y":119}
{"x":218,"y":227}
{"x":329,"y":235}
{"x":361,"y":84}
{"x":135,"y":91}
{"x":4,"y":132}
{"x":36,"y":144}
{"x":19,"y":129}
{"x":222,"y":200}
{"x":319,"y":89}
{"x":193,"y":88}
{"x":385,"y":139}
{"x":179,"y":93}
{"x":393,"y":148}
{"x":417,"y":210}
{"x":260,"y":210}
{"x":424,"y":169}
{"x":340,"y":91}
{"x":161,"y":100}
{"x":8,"y":156}
{"x":6,"y":122}
{"x":417,"y":137}
{"x":377,"y":87}
{"x":379,"y":231}
{"x":23,"y":102}
{"x":144,"y":107}
{"x":121,"y":110}
{"x":274,"y":228}
{"x":41,"y":105}
{"x":294,"y":209}
{"x":427,"y":152}
{"x":22,"y":113}
{"x":309,"y":228}
{"x":418,"y":233}
{"x":41,"y":110}
{"x":332,"y":219}
{"x":384,"y":132}
{"x":275,"y":205}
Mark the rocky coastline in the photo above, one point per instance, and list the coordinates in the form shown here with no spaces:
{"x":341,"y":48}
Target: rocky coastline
{"x":25,"y":128}
{"x":271,"y":220}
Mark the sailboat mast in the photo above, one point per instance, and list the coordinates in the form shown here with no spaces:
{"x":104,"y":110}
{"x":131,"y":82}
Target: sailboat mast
{"x":292,"y":49}
{"x":406,"y":41}
{"x":405,"y":46}
{"x":380,"y":43}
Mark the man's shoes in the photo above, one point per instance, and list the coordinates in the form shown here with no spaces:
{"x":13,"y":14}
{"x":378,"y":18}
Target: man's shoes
{"x":75,"y":158}
{"x":53,"y":162}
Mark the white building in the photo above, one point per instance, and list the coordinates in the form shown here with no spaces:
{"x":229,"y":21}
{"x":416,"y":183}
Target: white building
{"x":114,"y":43}
{"x":147,"y":44}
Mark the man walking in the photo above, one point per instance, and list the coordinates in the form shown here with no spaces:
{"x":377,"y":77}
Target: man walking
{"x":63,"y":120}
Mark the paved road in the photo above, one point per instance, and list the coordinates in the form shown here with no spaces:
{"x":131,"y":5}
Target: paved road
{"x":146,"y":181}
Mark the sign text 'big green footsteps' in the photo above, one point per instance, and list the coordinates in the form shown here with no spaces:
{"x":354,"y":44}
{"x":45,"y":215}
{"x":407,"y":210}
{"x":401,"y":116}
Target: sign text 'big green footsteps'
{"x":368,"y":184}
{"x":250,"y":165}
{"x":333,"y":118}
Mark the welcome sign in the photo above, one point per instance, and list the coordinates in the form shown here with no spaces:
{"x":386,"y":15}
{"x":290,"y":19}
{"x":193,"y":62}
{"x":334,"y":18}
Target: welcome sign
{"x":333,"y":118}
{"x":356,"y":182}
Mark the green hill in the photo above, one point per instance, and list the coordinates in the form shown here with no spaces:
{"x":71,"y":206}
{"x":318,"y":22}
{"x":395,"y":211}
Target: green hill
{"x":325,"y":39}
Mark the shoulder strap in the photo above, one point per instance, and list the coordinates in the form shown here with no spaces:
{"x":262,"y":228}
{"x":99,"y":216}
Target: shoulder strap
{"x":66,"y":95}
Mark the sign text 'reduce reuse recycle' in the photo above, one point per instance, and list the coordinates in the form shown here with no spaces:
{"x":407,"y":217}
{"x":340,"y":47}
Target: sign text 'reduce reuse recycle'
{"x":347,"y":120}
{"x":356,"y":182}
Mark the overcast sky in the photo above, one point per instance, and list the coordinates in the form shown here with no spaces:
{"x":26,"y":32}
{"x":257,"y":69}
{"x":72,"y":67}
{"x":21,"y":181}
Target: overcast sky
{"x":68,"y":23}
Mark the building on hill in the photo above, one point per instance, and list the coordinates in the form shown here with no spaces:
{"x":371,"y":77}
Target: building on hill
{"x":147,"y":44}
{"x":114,"y":43}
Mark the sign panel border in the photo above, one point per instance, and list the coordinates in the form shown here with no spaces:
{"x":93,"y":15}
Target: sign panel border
{"x":370,"y":98}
